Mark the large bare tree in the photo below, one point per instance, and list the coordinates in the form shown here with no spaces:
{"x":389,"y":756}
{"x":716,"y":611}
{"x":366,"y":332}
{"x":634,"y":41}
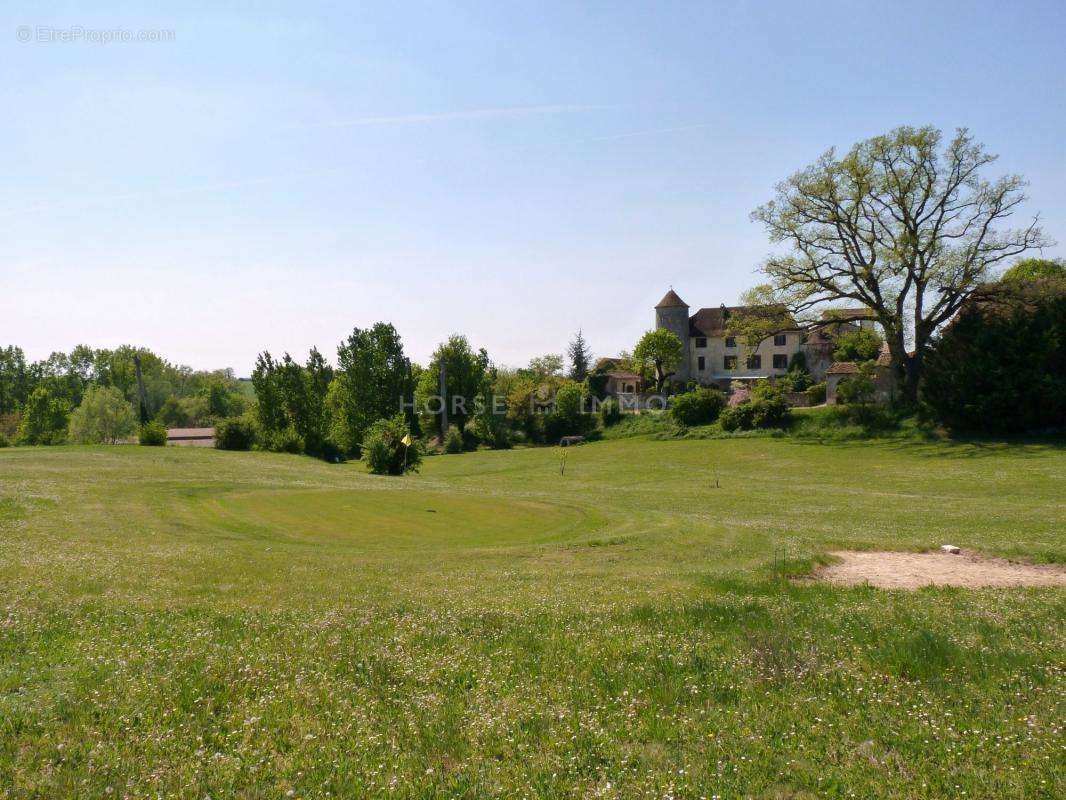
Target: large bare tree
{"x":899,"y":226}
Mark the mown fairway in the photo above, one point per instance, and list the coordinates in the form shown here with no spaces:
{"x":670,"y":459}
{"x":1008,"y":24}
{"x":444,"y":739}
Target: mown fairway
{"x":192,"y":623}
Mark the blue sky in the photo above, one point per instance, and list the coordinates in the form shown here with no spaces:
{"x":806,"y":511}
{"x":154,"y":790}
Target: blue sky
{"x":281,"y":172}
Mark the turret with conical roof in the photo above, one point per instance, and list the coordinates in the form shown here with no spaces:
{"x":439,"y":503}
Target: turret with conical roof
{"x":672,"y":313}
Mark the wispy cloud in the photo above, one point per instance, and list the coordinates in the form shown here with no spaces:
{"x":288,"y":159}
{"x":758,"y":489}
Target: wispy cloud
{"x":446,"y":116}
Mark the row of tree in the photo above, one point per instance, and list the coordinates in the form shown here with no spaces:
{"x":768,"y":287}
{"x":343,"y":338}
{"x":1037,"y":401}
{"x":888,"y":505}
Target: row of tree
{"x":327,"y":410}
{"x":37,"y":398}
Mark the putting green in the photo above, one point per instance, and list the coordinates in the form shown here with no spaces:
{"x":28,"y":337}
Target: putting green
{"x":387,"y":519}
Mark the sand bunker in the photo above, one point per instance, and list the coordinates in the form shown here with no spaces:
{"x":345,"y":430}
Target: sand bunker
{"x":914,"y":570}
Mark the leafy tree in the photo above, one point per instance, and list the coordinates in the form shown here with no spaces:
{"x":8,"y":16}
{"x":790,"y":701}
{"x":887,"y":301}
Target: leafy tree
{"x":490,"y":423}
{"x":16,"y":382}
{"x":270,"y":404}
{"x":858,"y":346}
{"x":522,"y":414}
{"x":545,"y":367}
{"x":1034,"y":269}
{"x":44,"y":418}
{"x":372,"y":382}
{"x":465,"y":374}
{"x":580,"y":357}
{"x":658,"y":354}
{"x":897,"y":227}
{"x":104,"y":417}
{"x":568,"y":412}
{"x":1000,"y":367}
{"x":173,"y":414}
{"x":292,"y":397}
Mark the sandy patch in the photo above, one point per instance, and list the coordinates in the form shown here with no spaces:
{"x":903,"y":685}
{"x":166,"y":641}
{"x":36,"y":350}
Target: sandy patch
{"x":914,"y":570}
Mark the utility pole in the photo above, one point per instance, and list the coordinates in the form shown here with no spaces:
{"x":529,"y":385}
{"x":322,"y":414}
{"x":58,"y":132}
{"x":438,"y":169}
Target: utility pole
{"x":443,"y":402}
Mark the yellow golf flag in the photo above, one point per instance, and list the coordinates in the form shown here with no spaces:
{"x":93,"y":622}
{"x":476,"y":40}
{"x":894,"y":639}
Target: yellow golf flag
{"x":406,"y":440}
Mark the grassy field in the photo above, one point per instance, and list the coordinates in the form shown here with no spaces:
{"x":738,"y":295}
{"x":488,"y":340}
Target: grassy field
{"x":193,"y":623}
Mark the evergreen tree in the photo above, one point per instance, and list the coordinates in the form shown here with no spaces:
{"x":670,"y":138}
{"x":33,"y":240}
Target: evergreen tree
{"x":580,"y":357}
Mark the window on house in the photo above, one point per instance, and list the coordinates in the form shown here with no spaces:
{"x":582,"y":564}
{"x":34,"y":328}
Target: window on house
{"x":701,"y":362}
{"x":754,"y":362}
{"x":780,"y":340}
{"x":730,"y":362}
{"x":731,"y":341}
{"x":780,"y":361}
{"x":701,"y":341}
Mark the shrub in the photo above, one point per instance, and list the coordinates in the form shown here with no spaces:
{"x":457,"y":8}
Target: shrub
{"x":769,"y":407}
{"x":44,"y":418}
{"x":610,"y":412}
{"x":699,"y":407}
{"x":384,"y":451}
{"x":816,"y":394}
{"x":4,"y":441}
{"x":235,"y":433}
{"x":738,"y":418}
{"x":104,"y":417}
{"x":453,"y":441}
{"x":470,"y":438}
{"x":858,"y":388}
{"x":153,"y":434}
{"x":283,"y":441}
{"x":766,"y":409}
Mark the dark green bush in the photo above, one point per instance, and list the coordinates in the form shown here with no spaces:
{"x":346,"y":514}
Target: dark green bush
{"x":384,"y":452}
{"x":1000,"y":367}
{"x":283,"y":441}
{"x":470,"y":438}
{"x":769,"y":407}
{"x":330,"y":451}
{"x":738,"y":418}
{"x":610,"y":412}
{"x":235,"y":433}
{"x":3,"y":441}
{"x":816,"y":394}
{"x":699,"y":407}
{"x":153,"y":434}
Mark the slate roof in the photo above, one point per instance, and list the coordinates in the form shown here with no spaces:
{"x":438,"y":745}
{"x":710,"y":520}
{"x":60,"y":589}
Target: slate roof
{"x":715,"y":321}
{"x":671,"y":300}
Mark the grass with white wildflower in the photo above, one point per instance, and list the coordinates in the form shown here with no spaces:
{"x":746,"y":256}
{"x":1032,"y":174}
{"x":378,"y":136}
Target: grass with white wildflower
{"x":190,"y":623}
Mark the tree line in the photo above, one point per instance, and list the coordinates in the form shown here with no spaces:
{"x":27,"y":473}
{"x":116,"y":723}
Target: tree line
{"x":38,"y":399}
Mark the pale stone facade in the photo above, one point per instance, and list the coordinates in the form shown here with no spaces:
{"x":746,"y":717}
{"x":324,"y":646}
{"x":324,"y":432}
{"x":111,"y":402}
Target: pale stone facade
{"x":715,"y":357}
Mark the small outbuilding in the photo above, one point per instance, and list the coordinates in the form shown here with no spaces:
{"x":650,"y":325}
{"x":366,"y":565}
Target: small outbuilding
{"x":191,"y":437}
